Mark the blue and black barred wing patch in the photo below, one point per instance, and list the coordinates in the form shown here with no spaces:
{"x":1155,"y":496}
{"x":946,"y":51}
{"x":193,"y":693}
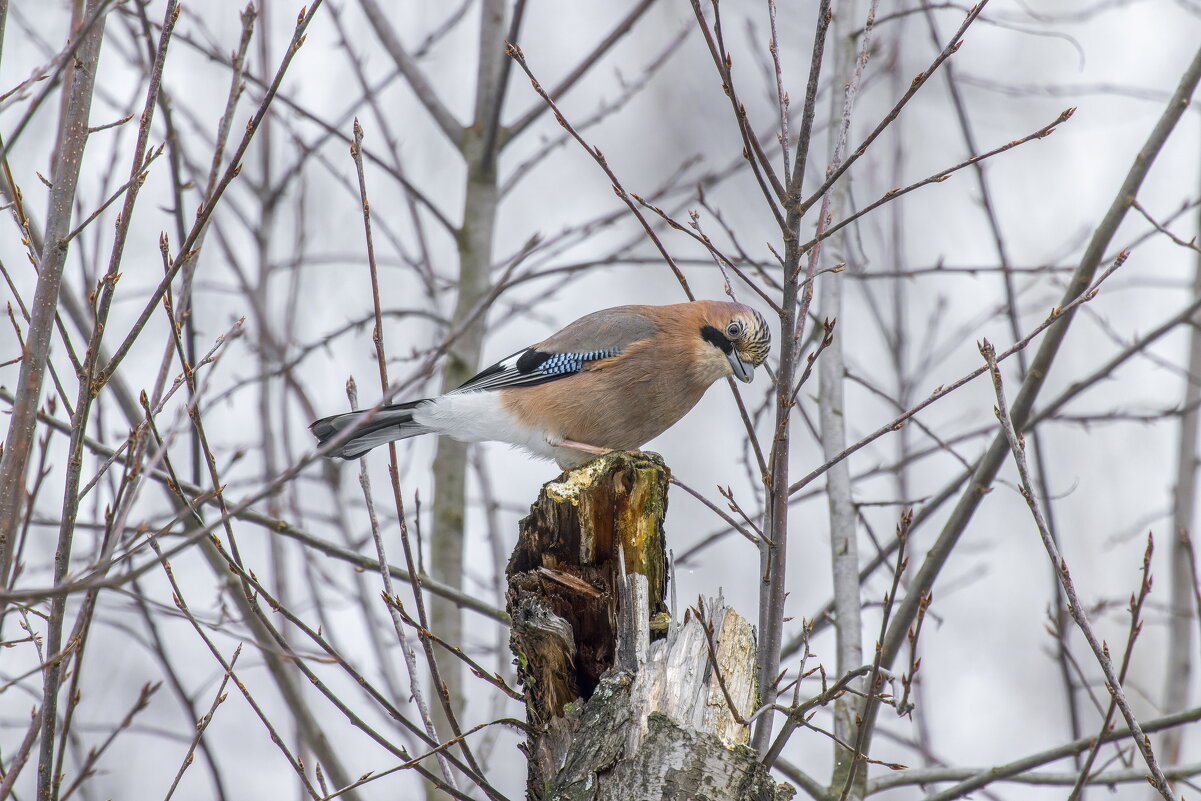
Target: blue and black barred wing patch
{"x":529,"y":367}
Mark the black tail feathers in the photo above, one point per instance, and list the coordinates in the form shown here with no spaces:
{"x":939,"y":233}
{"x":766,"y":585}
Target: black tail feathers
{"x":390,"y":423}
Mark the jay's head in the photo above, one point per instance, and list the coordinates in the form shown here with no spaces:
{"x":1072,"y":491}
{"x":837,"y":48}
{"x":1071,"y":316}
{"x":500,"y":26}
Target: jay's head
{"x":739,"y":334}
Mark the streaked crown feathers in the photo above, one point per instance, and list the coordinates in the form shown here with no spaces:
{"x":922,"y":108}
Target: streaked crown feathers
{"x":754,"y":339}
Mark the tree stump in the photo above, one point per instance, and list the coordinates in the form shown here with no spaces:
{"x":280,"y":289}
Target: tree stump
{"x":623,"y":703}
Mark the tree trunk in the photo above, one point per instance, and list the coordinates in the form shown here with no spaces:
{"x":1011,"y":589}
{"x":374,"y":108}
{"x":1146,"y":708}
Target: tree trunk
{"x":475,"y":244}
{"x":622,"y":702}
{"x":831,"y":368}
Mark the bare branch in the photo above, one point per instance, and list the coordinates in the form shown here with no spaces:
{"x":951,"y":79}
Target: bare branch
{"x":451,"y":128}
{"x":1114,"y":685}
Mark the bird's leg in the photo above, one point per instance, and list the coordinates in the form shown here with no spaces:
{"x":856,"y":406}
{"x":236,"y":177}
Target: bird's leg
{"x":578,"y":446}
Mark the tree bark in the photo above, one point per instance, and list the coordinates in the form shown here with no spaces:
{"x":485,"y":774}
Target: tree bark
{"x":1179,"y":662}
{"x":475,"y":245}
{"x":79,"y":80}
{"x":622,"y":702}
{"x":831,"y":368}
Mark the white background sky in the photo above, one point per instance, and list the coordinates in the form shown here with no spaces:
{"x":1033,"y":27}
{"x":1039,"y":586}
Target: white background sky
{"x":990,"y":688}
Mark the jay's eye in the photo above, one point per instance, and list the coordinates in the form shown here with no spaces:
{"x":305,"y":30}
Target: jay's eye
{"x":734,"y":330}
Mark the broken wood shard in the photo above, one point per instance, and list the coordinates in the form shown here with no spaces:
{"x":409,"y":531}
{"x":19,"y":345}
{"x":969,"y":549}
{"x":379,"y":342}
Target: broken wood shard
{"x":613,"y":714}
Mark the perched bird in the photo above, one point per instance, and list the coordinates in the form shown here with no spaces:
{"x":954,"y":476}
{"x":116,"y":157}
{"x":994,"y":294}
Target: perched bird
{"x":612,"y":380}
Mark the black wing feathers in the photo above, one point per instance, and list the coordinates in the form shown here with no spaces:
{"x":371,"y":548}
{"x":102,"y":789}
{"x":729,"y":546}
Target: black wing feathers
{"x":530,"y":360}
{"x":529,"y":367}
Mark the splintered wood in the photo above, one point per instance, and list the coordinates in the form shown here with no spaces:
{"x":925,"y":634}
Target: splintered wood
{"x":613,"y":714}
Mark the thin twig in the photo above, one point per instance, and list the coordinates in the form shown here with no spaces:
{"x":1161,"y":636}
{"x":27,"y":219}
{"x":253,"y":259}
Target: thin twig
{"x":1136,"y":625}
{"x":514,"y":52}
{"x":1018,"y":449}
{"x":1055,"y":316}
{"x":203,"y":724}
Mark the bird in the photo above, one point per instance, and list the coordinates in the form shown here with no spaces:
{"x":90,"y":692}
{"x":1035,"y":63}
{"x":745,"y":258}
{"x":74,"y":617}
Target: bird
{"x":610,"y":381}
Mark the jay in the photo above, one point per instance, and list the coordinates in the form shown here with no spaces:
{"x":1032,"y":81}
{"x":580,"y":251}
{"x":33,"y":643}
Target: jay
{"x":612,"y":380}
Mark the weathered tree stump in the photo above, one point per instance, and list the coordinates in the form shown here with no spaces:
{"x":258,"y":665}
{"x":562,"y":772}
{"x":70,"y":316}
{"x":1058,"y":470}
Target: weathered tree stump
{"x":613,"y":715}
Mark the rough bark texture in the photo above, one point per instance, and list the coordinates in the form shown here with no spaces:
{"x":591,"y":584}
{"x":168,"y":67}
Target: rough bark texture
{"x":615,"y":715}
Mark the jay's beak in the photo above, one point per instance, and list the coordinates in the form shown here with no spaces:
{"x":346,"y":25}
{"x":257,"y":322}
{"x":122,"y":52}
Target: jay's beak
{"x":744,"y":371}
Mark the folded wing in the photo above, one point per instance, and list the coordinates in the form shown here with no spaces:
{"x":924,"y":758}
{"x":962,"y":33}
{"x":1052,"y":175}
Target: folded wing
{"x":600,"y":335}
